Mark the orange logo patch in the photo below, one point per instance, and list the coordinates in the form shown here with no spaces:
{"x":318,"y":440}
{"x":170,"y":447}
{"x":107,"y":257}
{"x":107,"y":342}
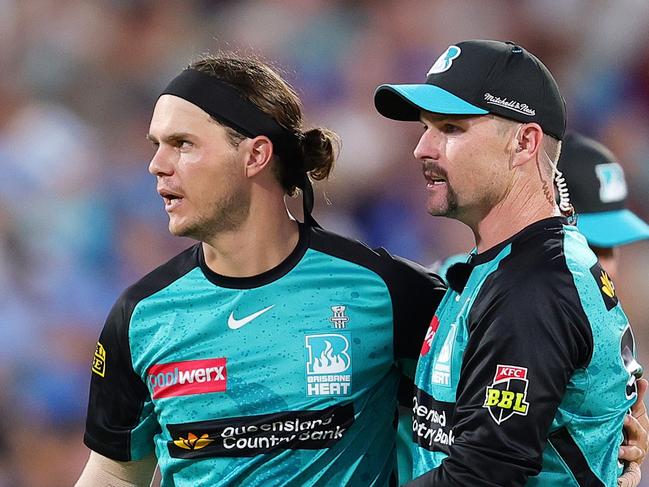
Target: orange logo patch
{"x":193,"y":442}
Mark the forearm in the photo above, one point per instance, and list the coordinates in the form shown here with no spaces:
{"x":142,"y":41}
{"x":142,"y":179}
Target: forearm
{"x":101,"y":471}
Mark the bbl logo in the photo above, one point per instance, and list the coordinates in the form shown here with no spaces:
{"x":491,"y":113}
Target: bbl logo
{"x":328,"y":366}
{"x":506,"y":395}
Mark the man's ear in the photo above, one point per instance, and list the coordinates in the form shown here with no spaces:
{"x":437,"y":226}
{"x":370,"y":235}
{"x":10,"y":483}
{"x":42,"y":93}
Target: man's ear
{"x":527,"y":144}
{"x":259,"y":153}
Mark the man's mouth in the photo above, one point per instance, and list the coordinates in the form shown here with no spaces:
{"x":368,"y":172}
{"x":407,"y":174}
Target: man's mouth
{"x":171,"y":199}
{"x":433,"y":179}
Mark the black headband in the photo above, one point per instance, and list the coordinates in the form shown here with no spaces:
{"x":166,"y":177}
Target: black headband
{"x":223,"y":102}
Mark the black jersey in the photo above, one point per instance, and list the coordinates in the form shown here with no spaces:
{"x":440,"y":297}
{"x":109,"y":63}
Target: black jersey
{"x":527,"y":370}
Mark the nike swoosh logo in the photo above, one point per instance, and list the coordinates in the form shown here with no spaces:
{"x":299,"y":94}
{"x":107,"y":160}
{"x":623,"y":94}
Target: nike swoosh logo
{"x":235,"y":324}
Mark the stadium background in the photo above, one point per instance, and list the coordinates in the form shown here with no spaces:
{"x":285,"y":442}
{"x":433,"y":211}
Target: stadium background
{"x":79,"y":215}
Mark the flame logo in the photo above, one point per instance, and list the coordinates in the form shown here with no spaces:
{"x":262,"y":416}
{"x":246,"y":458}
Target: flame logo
{"x":608,"y":287}
{"x":328,"y":362}
{"x":328,"y":354}
{"x":193,"y":442}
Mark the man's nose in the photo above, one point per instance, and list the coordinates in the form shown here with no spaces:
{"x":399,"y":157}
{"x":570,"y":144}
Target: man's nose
{"x":428,"y":146}
{"x":160,"y":164}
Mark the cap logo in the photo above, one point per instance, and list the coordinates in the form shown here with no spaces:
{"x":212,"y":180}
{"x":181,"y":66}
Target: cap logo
{"x":612,"y":186}
{"x":445,"y":61}
{"x":509,"y":104}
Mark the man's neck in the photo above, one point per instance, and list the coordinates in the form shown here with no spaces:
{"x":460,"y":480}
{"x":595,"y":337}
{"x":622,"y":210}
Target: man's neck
{"x":261,"y":243}
{"x":510,"y":216}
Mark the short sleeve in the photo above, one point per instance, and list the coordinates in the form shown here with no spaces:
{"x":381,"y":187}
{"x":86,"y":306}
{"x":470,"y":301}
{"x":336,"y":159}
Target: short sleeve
{"x":120,"y":423}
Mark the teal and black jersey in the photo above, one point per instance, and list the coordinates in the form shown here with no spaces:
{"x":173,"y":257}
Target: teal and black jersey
{"x":527,"y":369}
{"x":286,"y":378}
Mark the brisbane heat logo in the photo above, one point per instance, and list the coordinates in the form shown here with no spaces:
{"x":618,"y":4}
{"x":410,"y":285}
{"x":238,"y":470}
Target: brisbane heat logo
{"x":328,"y":366}
{"x":188,"y":377}
{"x":506,"y":395}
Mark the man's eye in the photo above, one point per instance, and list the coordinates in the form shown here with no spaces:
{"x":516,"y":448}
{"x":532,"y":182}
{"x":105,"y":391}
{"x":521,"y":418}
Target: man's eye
{"x":450,"y":128}
{"x":183,"y":144}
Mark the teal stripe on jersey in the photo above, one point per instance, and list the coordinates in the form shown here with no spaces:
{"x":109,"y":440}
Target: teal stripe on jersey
{"x":438,"y":372}
{"x":594,"y":404}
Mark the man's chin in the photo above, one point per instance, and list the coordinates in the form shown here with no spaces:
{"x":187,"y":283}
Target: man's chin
{"x":179,"y":230}
{"x":444,"y":212}
{"x":437,"y":211}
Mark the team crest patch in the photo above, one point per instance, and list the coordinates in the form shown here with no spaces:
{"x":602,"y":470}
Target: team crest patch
{"x":445,"y":61}
{"x":328,"y":364}
{"x":99,"y":360}
{"x":506,"y":395}
{"x":339,"y":318}
{"x":612,"y":186}
{"x":605,"y":285}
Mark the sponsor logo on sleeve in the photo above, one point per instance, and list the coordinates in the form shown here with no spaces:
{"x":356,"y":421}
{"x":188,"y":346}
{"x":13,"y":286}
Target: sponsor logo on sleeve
{"x":187,"y":377}
{"x":328,"y":365}
{"x":605,"y":285}
{"x":248,"y":436}
{"x":506,"y":395}
{"x":99,"y":360}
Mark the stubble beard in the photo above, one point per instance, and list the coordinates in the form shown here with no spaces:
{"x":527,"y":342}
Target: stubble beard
{"x":448,"y":210}
{"x":224,"y":215}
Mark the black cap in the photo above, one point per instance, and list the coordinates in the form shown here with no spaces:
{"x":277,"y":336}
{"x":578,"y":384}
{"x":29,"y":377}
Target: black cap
{"x":478,"y":77}
{"x":598,"y":191}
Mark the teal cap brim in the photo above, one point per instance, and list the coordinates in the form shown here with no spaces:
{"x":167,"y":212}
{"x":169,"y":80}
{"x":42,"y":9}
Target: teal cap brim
{"x":612,"y":228}
{"x":405,"y":102}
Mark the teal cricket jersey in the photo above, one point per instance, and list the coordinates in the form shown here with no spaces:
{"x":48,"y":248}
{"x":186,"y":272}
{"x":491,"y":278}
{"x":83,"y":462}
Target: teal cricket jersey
{"x":285,"y":378}
{"x":527,"y":369}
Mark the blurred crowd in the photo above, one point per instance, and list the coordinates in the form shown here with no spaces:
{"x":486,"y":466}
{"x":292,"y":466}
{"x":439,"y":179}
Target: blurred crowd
{"x":79,"y":216}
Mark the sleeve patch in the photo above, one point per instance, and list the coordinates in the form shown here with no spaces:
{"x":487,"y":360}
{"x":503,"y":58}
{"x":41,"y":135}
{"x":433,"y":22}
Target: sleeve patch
{"x":605,"y":285}
{"x":507,"y":393}
{"x":99,"y":360}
